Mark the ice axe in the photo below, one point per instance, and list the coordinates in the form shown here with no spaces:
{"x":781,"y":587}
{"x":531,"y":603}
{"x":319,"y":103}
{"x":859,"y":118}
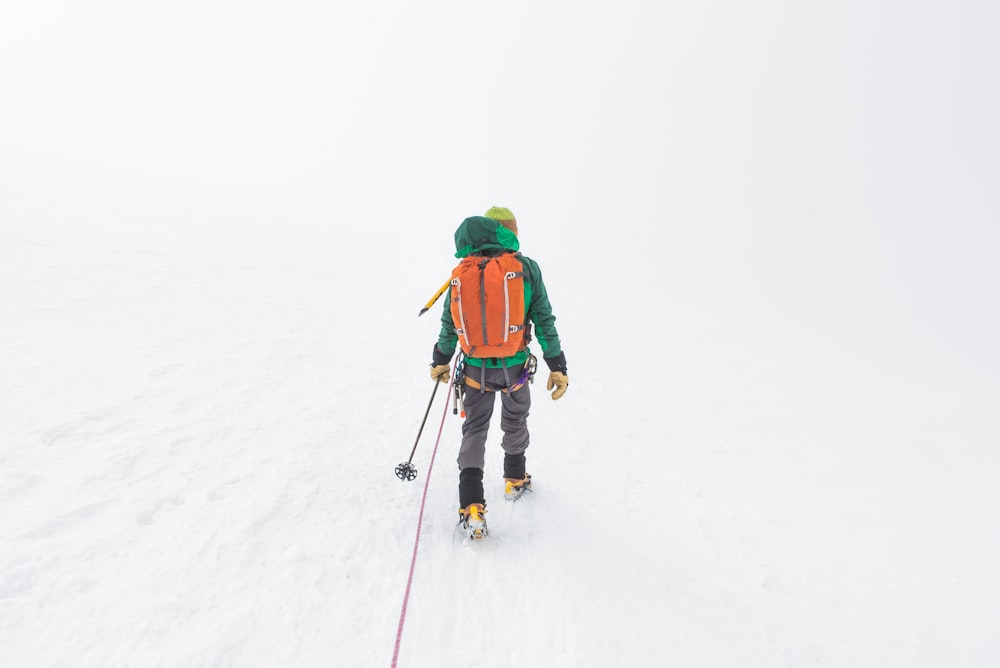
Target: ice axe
{"x":437,"y":296}
{"x":406,"y":470}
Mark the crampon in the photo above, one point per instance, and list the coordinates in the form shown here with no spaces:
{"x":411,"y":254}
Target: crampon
{"x":514,"y":488}
{"x":472,"y":519}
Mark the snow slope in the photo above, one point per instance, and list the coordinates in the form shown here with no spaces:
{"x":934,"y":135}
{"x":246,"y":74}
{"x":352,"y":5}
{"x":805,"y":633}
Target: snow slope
{"x":768,"y":235}
{"x":198,"y":454}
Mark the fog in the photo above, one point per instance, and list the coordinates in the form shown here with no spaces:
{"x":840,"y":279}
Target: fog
{"x":833,"y":159}
{"x":769,"y":231}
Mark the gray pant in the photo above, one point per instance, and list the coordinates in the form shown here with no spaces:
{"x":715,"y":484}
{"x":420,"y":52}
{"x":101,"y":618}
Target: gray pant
{"x":514,"y":408}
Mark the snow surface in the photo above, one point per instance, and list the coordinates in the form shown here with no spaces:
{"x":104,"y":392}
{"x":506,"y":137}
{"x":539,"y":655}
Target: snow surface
{"x":769,"y":232}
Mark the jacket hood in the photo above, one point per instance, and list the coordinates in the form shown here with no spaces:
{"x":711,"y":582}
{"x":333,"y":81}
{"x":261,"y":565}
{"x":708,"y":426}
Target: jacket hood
{"x":483,"y":235}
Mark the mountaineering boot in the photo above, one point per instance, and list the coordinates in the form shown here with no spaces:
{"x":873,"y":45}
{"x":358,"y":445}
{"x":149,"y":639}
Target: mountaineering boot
{"x":513,"y":488}
{"x":473,"y":521}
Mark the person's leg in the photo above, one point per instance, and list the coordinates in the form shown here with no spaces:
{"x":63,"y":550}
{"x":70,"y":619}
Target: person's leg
{"x":514,"y":423}
{"x":472,"y":453}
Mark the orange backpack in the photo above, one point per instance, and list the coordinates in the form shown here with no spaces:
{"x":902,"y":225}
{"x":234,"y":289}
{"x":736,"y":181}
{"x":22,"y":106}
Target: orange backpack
{"x":487,"y":305}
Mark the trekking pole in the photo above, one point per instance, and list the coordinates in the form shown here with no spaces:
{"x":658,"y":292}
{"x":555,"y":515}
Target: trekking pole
{"x":406,"y":470}
{"x":437,"y":296}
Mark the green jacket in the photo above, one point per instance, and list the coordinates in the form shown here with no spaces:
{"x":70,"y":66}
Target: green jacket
{"x":485,"y":235}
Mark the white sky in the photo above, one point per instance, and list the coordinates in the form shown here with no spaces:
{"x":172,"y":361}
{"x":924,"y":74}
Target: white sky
{"x":842,"y":155}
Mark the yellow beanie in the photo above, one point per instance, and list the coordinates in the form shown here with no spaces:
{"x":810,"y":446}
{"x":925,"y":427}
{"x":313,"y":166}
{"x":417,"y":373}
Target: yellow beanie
{"x":500,"y":213}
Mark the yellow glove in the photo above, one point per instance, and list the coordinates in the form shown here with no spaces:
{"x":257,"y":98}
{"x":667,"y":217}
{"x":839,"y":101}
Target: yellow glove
{"x":440,"y":373}
{"x":558,"y":380}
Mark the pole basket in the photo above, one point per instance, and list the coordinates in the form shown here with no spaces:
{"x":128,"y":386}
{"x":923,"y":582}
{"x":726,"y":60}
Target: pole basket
{"x":406,"y":471}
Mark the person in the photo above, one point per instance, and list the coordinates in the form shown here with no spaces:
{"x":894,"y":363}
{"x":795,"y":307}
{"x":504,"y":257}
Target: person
{"x":485,"y":378}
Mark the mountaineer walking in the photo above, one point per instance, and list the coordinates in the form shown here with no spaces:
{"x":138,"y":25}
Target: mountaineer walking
{"x":495,"y":296}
